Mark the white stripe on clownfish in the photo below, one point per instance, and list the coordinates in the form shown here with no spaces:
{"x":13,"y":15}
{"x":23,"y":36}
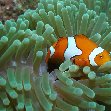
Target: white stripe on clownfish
{"x":72,"y":49}
{"x":52,"y":50}
{"x":93,"y":54}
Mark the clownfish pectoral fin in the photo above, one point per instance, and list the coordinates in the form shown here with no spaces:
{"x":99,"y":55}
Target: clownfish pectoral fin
{"x":80,"y":61}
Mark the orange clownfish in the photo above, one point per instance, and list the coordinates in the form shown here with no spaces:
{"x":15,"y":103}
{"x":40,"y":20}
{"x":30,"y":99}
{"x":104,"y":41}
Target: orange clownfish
{"x":79,"y":49}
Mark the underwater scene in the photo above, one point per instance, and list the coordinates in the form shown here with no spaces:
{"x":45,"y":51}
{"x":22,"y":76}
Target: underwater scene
{"x":55,"y":55}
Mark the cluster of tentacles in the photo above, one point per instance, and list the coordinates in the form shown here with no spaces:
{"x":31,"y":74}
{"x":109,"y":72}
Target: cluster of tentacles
{"x":25,"y":84}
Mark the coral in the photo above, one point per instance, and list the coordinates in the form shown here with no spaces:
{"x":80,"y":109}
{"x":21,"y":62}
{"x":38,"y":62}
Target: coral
{"x":25,"y":83}
{"x":23,"y":5}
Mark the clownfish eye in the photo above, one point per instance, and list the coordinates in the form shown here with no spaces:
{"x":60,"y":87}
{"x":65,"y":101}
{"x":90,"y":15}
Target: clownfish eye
{"x":101,"y":56}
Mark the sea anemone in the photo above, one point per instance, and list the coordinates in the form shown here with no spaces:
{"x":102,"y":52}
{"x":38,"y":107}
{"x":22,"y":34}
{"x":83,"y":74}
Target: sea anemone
{"x":25,"y":83}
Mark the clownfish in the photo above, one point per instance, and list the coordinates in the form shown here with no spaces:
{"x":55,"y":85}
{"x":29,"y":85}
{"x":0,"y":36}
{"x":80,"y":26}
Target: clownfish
{"x":79,"y":49}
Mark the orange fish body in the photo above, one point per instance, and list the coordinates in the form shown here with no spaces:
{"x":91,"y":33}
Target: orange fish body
{"x":79,"y":49}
